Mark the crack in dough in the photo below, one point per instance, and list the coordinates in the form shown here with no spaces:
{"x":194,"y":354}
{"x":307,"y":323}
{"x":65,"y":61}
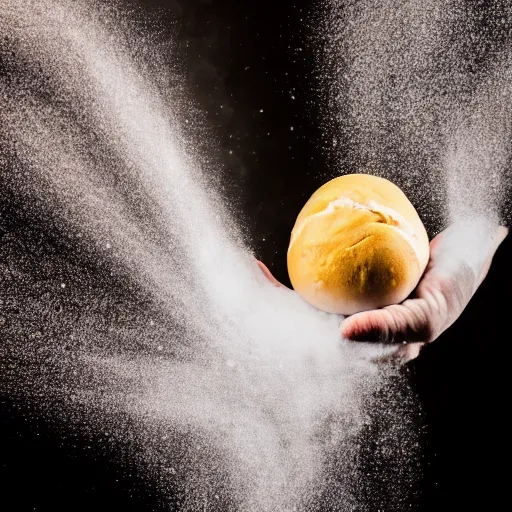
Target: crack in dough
{"x":398,"y":222}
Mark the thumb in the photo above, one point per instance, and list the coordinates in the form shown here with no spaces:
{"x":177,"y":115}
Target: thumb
{"x":268,"y":274}
{"x":498,"y":238}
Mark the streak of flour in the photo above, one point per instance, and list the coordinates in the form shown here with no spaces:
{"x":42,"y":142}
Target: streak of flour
{"x":238,"y":394}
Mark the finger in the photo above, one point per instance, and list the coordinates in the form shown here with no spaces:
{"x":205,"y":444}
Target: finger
{"x":268,"y":274}
{"x":392,"y":324}
{"x":501,"y":234}
{"x":371,"y":326}
{"x":409,"y":352}
{"x":403,"y":354}
{"x":434,"y":243}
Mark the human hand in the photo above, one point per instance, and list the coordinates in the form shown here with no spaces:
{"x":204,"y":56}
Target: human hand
{"x":460,"y":257}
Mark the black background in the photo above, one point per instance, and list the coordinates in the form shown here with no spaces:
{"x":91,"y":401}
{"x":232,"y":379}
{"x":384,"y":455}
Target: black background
{"x":247,"y":57}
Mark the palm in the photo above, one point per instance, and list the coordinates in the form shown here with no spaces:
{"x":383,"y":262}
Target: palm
{"x":447,"y":286}
{"x":454,"y":272}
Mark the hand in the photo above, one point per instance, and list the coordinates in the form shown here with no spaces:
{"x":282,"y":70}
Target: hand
{"x":460,"y":258}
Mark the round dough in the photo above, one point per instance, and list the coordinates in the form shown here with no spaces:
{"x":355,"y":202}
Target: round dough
{"x":357,"y":244}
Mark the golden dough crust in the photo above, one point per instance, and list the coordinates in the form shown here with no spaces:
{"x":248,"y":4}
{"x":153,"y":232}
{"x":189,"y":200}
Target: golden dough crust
{"x":357,"y":244}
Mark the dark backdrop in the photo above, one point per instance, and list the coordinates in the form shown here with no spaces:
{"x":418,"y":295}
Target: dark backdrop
{"x":251,"y":57}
